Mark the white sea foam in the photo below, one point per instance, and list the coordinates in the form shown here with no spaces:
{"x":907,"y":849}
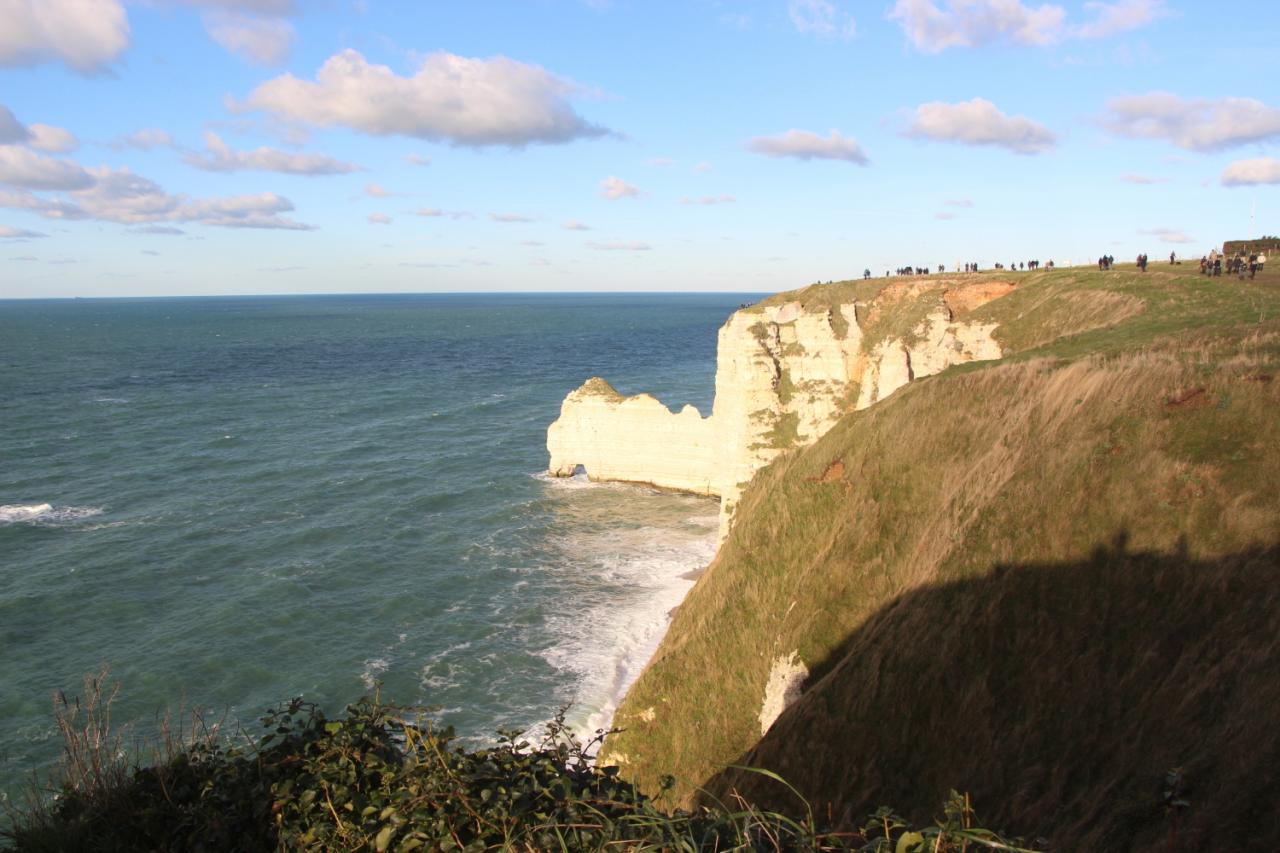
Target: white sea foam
{"x":45,"y":514}
{"x":372,"y":669}
{"x":637,"y":577}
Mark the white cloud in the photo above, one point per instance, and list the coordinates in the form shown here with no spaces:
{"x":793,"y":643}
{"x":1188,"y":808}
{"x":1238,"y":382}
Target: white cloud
{"x":509,"y":217}
{"x":821,"y":18}
{"x":44,"y":137}
{"x":974,"y":23}
{"x":27,"y":170}
{"x":49,"y":138}
{"x":86,"y":35}
{"x":261,"y":41}
{"x":958,"y":202}
{"x":575,"y":225}
{"x":1193,"y":124}
{"x":1169,"y":235}
{"x":161,"y":230}
{"x":220,"y":157}
{"x":8,"y":232}
{"x":945,"y":215}
{"x":1241,"y":173}
{"x":379,"y":219}
{"x":472,"y":102}
{"x":1120,"y":17}
{"x":256,"y":7}
{"x":702,"y":168}
{"x":11,"y":130}
{"x":805,"y":145}
{"x":660,"y":162}
{"x":615,"y":188}
{"x":621,"y":247}
{"x":119,"y":195}
{"x":978,"y":122}
{"x":418,"y":160}
{"x":709,"y":199}
{"x":1141,"y":180}
{"x":145,"y":139}
{"x":432,"y":212}
{"x":377,"y":191}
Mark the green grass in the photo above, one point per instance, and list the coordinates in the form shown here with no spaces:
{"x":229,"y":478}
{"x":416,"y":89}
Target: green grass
{"x":1030,"y":467}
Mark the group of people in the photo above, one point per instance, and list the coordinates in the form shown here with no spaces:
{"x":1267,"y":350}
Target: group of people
{"x":1142,"y":262}
{"x":969,"y":267}
{"x":1213,"y":264}
{"x":1106,"y":262}
{"x":1020,"y":265}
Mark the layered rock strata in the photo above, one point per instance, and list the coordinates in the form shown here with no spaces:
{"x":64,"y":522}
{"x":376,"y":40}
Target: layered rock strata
{"x":786,"y":371}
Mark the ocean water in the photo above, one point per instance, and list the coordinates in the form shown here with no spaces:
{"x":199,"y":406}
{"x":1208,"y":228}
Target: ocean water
{"x":234,"y":501}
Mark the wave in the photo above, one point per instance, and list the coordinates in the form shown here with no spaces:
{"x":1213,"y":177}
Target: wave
{"x":45,"y":514}
{"x":641,"y":576}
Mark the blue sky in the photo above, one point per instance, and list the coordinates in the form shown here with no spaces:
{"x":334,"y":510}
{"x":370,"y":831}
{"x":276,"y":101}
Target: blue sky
{"x":175,"y":147}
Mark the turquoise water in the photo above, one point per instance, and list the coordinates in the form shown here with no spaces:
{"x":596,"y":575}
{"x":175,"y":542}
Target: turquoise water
{"x":234,"y":501}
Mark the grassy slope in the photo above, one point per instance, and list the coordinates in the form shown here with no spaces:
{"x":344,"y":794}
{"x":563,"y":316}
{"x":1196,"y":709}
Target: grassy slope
{"x":1160,"y":429}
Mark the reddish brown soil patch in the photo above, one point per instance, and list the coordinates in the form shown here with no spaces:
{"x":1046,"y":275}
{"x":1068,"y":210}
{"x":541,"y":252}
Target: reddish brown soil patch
{"x":963,"y":299}
{"x":1193,"y":399}
{"x":833,"y":474}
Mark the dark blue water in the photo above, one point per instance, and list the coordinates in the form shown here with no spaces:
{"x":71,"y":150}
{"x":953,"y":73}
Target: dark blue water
{"x":234,"y":501}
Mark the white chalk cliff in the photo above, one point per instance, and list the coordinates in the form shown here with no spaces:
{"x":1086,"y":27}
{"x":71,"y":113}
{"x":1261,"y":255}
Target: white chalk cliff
{"x":786,"y":371}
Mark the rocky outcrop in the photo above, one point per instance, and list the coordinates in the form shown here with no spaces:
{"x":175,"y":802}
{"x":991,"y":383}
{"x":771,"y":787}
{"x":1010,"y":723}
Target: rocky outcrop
{"x":632,"y":439}
{"x":786,"y":371}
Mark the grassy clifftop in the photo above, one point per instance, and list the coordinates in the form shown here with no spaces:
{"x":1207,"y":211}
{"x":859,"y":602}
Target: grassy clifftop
{"x":1047,"y":580}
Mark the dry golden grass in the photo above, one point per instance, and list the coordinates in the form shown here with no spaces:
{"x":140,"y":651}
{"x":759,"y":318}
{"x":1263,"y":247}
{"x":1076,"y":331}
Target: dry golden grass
{"x":1161,"y":424}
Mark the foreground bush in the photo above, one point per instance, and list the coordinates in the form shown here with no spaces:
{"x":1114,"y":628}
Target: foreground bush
{"x":380,"y":780}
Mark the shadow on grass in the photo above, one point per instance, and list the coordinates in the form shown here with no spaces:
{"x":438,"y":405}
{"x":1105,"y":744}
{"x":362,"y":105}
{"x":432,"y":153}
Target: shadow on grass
{"x":1057,"y":695}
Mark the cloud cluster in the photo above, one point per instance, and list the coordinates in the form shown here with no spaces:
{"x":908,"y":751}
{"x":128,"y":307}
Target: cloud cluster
{"x":1193,"y":124}
{"x":379,"y":219}
{"x":220,"y":157}
{"x":87,"y":35}
{"x":933,"y":26}
{"x":709,"y":199}
{"x":975,"y":23}
{"x":806,"y":145}
{"x":1244,"y":173}
{"x":455,"y":99}
{"x":42,"y":137}
{"x":66,"y":190}
{"x":979,"y":122}
{"x":821,"y":18}
{"x":509,"y":217}
{"x":614,"y":188}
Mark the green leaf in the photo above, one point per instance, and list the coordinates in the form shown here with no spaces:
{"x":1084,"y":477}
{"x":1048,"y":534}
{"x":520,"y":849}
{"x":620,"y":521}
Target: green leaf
{"x":383,"y":838}
{"x":909,"y":842}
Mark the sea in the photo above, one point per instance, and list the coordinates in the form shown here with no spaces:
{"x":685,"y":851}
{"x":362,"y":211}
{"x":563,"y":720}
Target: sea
{"x":230,"y":502}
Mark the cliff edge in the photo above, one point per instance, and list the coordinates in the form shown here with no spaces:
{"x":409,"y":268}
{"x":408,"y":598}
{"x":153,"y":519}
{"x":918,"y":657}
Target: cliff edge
{"x":1050,"y":580}
{"x":786,"y":370}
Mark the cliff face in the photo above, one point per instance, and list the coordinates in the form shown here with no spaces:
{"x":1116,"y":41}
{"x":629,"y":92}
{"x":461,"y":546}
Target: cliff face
{"x":786,"y":371}
{"x":1044,"y":581}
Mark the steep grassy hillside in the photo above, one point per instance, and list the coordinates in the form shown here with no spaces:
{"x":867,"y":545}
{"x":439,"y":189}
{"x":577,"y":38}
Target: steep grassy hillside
{"x":1047,"y":580}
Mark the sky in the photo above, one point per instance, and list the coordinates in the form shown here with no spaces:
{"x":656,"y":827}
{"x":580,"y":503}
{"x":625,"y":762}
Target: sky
{"x":192,"y":147}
